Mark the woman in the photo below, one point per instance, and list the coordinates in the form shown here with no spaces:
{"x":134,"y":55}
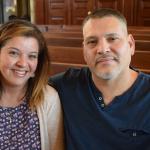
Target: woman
{"x":30,"y":111}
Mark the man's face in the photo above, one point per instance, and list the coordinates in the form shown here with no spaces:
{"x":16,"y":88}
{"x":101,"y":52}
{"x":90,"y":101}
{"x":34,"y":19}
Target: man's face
{"x":107,"y":47}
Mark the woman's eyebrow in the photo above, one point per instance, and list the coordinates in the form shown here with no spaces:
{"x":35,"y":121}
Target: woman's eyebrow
{"x":13,"y":48}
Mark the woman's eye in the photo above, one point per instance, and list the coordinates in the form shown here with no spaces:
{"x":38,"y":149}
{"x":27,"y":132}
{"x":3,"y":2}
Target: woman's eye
{"x":33,"y":56}
{"x":13,"y":53}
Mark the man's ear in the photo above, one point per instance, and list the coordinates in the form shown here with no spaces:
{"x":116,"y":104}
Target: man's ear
{"x":131,"y":44}
{"x":83,"y":43}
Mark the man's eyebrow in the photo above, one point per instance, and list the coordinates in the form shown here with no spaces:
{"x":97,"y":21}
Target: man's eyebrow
{"x":111,"y":34}
{"x":90,"y":38}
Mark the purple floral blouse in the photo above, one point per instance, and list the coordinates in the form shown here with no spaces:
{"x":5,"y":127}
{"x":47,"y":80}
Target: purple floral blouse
{"x":19,"y":128}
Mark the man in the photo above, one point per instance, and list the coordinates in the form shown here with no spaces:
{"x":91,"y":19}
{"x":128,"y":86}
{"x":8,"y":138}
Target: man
{"x":107,"y":105}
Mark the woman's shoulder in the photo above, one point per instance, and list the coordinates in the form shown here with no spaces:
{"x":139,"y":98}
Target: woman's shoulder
{"x":51,"y":99}
{"x":50,"y":91}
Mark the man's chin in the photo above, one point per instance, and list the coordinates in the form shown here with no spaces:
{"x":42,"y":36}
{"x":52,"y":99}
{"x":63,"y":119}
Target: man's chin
{"x":106,"y":75}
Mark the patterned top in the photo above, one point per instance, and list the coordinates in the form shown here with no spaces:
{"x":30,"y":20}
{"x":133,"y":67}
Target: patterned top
{"x":19,"y":128}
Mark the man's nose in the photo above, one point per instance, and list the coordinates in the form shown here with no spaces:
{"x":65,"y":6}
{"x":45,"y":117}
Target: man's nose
{"x":103,"y":46}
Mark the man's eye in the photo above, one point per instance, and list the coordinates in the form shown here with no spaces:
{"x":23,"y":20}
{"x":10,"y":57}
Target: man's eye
{"x":111,"y":39}
{"x":91,"y":42}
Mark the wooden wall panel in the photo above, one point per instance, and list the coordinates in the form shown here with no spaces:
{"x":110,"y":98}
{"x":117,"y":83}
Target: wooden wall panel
{"x":126,"y":7}
{"x":128,"y":11}
{"x":57,"y":12}
{"x":116,"y":4}
{"x":142,"y":12}
{"x":79,"y":9}
{"x":72,"y":12}
{"x":40,"y":12}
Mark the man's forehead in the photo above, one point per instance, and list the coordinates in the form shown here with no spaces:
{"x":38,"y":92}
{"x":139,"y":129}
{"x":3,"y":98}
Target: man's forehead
{"x":103,"y":19}
{"x":108,"y":23}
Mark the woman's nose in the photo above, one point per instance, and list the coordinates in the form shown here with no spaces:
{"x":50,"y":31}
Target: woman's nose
{"x":22,"y":61}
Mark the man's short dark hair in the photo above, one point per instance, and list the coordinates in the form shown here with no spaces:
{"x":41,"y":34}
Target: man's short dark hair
{"x":105,"y":12}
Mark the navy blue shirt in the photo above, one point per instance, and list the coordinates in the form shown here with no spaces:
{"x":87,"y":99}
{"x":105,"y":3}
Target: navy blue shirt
{"x":124,"y":124}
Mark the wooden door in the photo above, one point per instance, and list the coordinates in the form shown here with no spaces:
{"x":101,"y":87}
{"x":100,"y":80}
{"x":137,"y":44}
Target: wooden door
{"x":142,"y":12}
{"x":72,"y":12}
{"x":78,"y":11}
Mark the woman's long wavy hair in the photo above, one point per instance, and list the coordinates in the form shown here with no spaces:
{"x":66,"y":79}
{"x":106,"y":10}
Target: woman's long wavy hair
{"x":34,"y":93}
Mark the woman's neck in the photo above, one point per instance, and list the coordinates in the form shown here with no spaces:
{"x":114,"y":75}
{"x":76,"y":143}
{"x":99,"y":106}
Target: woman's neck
{"x":12,"y":96}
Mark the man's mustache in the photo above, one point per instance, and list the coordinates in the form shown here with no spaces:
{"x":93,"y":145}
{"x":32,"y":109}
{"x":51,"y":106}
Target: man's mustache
{"x":105,"y":57}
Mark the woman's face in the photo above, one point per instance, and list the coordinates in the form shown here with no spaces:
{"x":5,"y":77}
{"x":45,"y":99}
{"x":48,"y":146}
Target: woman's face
{"x":18,"y":60}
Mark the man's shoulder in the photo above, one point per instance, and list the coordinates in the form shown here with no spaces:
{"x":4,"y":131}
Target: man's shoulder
{"x":144,"y":81}
{"x":145,"y":76}
{"x":69,"y":79}
{"x":70,"y":74}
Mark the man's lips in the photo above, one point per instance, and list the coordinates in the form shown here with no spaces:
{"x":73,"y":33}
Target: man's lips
{"x":106,"y":59}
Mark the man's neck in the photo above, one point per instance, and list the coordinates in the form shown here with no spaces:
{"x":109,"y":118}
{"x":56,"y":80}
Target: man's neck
{"x":115,"y":87}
